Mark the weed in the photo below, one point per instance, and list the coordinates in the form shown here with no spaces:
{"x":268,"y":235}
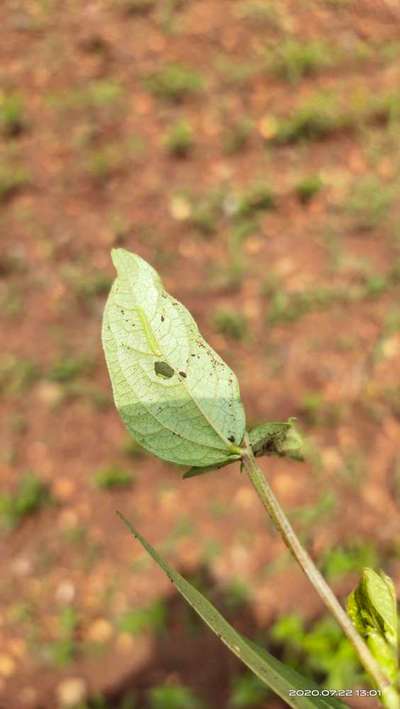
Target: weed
{"x":170,"y":696}
{"x":12,"y":118}
{"x":151,"y":618}
{"x":11,"y":300}
{"x":218,"y":509}
{"x":285,"y":308}
{"x":320,"y":650}
{"x":98,"y":701}
{"x":322,"y":114}
{"x":307,"y":188}
{"x":17,"y":375}
{"x":95,"y":95}
{"x":12,"y":262}
{"x":271,"y":285}
{"x":206,"y":212}
{"x":316,"y":118}
{"x":339,"y":561}
{"x":257,"y":198}
{"x":289,"y":307}
{"x":369,"y":202}
{"x":354,"y":468}
{"x":310,"y":515}
{"x":65,"y":649}
{"x":78,"y":389}
{"x":236,"y":594}
{"x":230,"y":277}
{"x":76,"y":535}
{"x":236,"y":136}
{"x":312,"y":406}
{"x":337,"y":4}
{"x":242,"y":228}
{"x":293,"y":60}
{"x":258,"y":11}
{"x":13,"y":178}
{"x":137,"y":7}
{"x":179,"y":139}
{"x":112,"y":477}
{"x":174,"y":82}
{"x":211,"y":550}
{"x":19,"y":423}
{"x":167,"y":16}
{"x":231,"y":323}
{"x":247,"y":691}
{"x":382,"y":108}
{"x":235,"y":73}
{"x":67,"y":369}
{"x":30,"y":496}
{"x":131,"y":448}
{"x":184,"y":528}
{"x":376,"y":285}
{"x":103,"y":162}
{"x":390,"y":51}
{"x":87,"y":286}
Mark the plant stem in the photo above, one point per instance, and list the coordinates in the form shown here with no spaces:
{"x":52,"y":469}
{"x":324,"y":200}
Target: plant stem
{"x":278,"y":516}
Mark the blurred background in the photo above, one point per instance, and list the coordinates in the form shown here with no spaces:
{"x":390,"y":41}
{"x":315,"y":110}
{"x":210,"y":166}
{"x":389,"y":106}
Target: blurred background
{"x":250,"y":151}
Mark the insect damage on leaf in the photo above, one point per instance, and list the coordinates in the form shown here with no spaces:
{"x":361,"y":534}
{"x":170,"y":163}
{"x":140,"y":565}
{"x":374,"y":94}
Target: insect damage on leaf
{"x":277,"y":438}
{"x":175,"y":394}
{"x":162,"y":369}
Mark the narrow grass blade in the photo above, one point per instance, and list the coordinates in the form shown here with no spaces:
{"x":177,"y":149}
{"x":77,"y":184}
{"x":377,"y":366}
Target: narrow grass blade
{"x":281,"y":679}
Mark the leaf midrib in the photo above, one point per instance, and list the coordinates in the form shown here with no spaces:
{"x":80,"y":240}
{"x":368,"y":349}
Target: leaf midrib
{"x":166,"y":359}
{"x":155,"y":417}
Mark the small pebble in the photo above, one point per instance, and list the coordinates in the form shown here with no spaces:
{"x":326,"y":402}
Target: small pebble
{"x":65,"y":592}
{"x":71,"y":691}
{"x":99,"y":631}
{"x":7,"y":665}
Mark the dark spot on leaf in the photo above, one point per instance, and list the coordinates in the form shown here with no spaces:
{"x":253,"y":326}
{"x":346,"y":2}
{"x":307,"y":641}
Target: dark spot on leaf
{"x":231,"y":439}
{"x":162,"y":369}
{"x":183,"y":374}
{"x":162,"y":318}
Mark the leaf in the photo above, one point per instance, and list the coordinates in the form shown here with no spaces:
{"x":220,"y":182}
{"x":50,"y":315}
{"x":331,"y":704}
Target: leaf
{"x":273,"y":438}
{"x":277,"y":438}
{"x":280,"y":678}
{"x":195,"y":471}
{"x":175,"y":394}
{"x":372,"y":607}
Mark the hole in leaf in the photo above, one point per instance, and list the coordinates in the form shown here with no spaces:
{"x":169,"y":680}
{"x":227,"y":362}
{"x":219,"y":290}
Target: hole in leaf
{"x":162,"y":369}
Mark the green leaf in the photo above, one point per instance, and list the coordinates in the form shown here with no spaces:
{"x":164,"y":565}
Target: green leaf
{"x":175,"y":394}
{"x":195,"y":471}
{"x":372,"y":607}
{"x":277,"y":438}
{"x":280,"y":678}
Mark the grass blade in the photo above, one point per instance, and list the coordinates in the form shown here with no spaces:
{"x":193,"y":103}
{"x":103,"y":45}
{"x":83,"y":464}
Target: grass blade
{"x":280,"y":678}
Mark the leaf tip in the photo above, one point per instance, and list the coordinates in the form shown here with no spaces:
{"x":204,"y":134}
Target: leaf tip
{"x":118,"y":256}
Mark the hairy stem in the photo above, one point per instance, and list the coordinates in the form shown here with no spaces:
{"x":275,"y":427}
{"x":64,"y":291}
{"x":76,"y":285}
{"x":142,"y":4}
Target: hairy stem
{"x":278,"y":517}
